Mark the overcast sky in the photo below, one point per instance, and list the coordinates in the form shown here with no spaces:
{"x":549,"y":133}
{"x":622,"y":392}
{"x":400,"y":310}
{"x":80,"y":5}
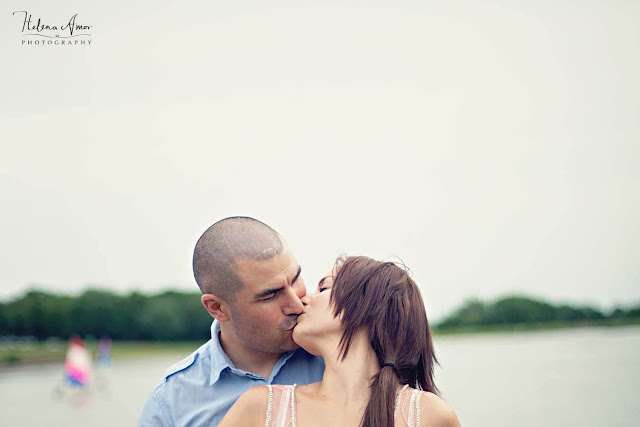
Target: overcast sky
{"x":493,"y":148}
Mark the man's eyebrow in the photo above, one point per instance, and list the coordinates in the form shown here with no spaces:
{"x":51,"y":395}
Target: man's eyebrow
{"x":297,"y":275}
{"x":268,"y":292}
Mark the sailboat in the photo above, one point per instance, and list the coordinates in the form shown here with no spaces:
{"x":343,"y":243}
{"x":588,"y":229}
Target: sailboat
{"x":78,"y":368}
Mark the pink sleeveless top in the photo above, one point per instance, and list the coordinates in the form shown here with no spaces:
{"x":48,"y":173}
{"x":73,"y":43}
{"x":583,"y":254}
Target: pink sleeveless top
{"x":281,"y":407}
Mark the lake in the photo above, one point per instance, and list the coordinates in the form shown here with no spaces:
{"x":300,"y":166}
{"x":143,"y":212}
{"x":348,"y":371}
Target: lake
{"x":586,"y":377}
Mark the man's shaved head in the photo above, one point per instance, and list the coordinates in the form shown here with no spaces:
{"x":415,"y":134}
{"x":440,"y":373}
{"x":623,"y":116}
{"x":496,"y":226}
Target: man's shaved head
{"x":223,"y":243}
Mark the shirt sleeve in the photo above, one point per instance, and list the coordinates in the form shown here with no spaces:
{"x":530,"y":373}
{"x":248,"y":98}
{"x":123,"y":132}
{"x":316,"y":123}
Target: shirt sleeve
{"x":155,"y":412}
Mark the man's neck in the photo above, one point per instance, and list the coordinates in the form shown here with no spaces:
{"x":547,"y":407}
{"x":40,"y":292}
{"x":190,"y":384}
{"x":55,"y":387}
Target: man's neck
{"x":244,"y":358}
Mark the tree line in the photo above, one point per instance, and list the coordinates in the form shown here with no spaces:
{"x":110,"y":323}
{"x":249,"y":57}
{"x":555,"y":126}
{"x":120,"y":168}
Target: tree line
{"x":164,"y":316}
{"x":173,"y":315}
{"x":516,"y":309}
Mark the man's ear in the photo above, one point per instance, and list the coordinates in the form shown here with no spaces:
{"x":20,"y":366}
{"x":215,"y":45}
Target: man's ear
{"x":216,"y":306}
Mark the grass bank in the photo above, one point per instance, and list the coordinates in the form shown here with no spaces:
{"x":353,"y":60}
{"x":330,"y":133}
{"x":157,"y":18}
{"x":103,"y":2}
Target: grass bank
{"x":48,"y":351}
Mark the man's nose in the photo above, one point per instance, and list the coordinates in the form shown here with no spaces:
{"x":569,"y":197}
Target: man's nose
{"x":294,"y":304}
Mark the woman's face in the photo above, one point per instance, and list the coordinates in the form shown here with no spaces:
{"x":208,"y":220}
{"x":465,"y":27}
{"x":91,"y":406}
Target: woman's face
{"x":317,"y":324}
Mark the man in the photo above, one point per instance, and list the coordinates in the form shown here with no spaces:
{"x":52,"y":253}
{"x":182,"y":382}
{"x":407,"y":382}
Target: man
{"x":251,"y":284}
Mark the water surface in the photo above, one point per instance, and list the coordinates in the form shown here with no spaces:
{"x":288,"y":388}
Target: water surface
{"x":574,"y":377}
{"x":578,"y":377}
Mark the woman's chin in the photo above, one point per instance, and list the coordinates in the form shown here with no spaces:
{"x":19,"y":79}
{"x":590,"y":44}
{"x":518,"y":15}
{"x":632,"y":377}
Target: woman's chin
{"x":296,"y":334}
{"x":301,"y":338}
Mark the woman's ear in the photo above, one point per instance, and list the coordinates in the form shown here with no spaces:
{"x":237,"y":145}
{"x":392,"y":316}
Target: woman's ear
{"x":216,"y":306}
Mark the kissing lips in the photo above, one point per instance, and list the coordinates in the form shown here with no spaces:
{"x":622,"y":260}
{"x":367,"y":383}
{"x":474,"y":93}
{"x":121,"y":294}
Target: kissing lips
{"x":290,"y":327}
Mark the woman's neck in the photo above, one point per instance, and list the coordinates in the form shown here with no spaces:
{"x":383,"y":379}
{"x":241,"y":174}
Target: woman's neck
{"x":348,"y":380}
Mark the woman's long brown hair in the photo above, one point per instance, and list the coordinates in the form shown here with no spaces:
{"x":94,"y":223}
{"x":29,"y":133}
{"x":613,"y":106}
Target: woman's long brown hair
{"x":383,"y":298}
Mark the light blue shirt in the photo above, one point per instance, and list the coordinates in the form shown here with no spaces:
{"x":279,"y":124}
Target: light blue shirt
{"x":200,"y":389}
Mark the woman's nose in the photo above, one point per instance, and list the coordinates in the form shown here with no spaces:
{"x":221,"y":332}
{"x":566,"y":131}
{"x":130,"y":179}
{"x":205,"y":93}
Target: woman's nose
{"x":306,"y":299}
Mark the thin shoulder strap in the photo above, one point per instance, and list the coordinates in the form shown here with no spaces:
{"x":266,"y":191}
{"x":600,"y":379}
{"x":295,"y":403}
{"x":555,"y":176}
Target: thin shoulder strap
{"x":293,"y":406}
{"x":281,"y":406}
{"x":418,"y":394}
{"x":398,"y":397}
{"x":267,"y":423}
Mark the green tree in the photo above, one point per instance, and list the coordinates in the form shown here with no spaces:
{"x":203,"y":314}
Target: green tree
{"x":472,"y":312}
{"x":520,"y":309}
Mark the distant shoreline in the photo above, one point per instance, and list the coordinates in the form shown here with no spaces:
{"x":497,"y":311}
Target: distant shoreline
{"x":534,"y":326}
{"x":43,"y":352}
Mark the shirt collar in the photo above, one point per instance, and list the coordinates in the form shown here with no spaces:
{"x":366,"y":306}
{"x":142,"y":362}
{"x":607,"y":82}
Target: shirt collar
{"x":220,"y":361}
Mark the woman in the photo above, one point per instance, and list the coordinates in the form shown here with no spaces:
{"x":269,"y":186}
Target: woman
{"x":367,"y":321}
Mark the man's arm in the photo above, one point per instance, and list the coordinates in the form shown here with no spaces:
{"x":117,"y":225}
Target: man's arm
{"x":249,"y":410}
{"x":155,"y":413}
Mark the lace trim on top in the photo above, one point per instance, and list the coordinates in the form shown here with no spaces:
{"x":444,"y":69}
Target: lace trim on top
{"x":283,"y":399}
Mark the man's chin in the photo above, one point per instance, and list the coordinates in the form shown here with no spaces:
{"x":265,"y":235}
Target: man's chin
{"x":290,"y":344}
{"x":293,"y":348}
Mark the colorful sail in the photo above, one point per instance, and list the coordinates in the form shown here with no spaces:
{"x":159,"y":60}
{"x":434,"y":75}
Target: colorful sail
{"x":78,"y":369}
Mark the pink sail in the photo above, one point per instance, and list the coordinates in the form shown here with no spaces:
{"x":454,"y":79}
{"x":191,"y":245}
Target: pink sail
{"x":78,"y":369}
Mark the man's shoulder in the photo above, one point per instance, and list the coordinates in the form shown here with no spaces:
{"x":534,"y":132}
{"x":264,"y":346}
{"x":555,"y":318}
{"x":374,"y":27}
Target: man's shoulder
{"x":185,"y":363}
{"x":183,"y":367}
{"x":189,"y":373}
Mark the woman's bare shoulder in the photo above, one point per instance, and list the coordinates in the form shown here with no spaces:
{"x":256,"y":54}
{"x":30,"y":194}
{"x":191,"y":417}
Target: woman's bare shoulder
{"x":435,"y":412}
{"x":249,"y":410}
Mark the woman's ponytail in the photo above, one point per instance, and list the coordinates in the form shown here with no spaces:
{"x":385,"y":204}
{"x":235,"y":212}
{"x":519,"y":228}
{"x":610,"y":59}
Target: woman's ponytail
{"x":382,"y":402}
{"x":383,"y":298}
